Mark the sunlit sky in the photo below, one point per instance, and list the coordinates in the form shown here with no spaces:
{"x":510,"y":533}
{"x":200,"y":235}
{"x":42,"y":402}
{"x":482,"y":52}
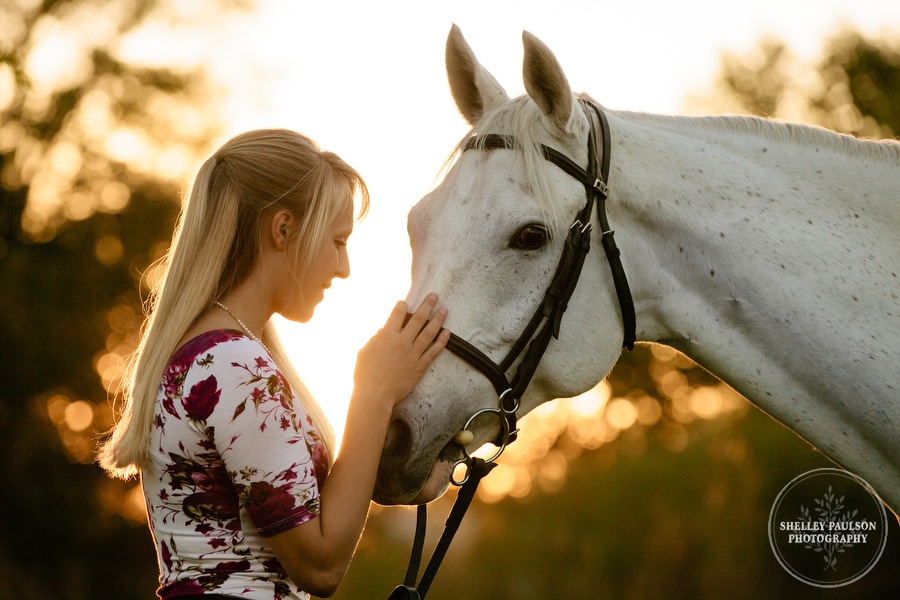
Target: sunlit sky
{"x":367,"y":80}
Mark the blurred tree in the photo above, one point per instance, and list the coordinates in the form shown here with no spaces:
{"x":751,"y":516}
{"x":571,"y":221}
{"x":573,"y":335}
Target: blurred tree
{"x":759,"y":79}
{"x":93,"y":147}
{"x":853,"y":89}
{"x":861,"y":81}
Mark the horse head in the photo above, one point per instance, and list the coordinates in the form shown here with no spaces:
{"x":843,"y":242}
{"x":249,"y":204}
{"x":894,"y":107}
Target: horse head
{"x":488,"y":240}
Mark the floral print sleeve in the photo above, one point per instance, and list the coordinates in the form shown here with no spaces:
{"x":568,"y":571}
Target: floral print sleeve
{"x":234,"y":459}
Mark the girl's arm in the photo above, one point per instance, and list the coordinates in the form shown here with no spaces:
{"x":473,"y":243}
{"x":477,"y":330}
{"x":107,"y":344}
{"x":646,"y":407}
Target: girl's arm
{"x":317,"y":553}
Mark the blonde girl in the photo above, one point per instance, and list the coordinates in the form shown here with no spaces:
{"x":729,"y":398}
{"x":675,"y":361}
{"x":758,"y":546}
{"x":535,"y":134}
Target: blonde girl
{"x":244,"y":494}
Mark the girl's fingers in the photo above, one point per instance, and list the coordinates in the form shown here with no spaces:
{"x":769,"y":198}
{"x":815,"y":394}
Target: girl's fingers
{"x":428,"y":334}
{"x":396,"y":357}
{"x":419,"y":318}
{"x":395,"y":319}
{"x":435,"y":348}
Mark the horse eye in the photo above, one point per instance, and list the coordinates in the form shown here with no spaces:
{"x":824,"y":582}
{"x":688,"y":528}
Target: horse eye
{"x":530,"y":237}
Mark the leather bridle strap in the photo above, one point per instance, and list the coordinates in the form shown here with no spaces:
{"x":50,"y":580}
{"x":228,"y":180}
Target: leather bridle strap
{"x":409,"y":590}
{"x":478,"y":359}
{"x":607,"y":239}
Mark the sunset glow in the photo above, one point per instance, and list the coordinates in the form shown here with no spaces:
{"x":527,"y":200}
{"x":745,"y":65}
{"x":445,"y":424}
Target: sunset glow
{"x":367,"y":81}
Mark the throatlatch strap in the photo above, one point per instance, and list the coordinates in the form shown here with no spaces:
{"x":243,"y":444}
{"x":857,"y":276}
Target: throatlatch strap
{"x":623,"y":290}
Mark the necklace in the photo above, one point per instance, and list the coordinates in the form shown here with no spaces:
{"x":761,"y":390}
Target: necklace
{"x":243,"y":326}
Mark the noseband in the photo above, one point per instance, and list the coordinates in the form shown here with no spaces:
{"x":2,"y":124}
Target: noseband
{"x":544,"y":324}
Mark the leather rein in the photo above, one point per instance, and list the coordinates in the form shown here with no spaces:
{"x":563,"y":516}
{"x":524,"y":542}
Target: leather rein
{"x":533,"y":342}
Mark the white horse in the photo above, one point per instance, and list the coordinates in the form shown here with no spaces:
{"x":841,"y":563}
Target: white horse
{"x":768,"y":253}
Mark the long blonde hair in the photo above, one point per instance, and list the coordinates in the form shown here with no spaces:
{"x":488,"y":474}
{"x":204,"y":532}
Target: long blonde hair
{"x":214,"y":247}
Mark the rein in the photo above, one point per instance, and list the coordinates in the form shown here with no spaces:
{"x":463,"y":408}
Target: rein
{"x":544,"y":324}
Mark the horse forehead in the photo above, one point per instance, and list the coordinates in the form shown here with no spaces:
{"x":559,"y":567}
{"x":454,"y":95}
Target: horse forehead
{"x":469,"y":193}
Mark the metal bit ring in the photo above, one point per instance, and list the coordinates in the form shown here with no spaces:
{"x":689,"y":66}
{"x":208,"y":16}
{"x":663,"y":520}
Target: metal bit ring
{"x":467,"y":458}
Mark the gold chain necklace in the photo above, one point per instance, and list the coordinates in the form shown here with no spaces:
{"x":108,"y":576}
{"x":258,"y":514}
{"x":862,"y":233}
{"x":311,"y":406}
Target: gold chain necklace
{"x":243,"y":326}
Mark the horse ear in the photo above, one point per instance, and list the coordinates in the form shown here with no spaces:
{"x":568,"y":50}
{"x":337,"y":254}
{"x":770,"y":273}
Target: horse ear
{"x":546,"y":83}
{"x":474,"y":90}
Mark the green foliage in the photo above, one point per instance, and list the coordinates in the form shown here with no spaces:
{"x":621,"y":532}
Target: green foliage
{"x":758,"y":81}
{"x":861,"y":78}
{"x":854,"y":88}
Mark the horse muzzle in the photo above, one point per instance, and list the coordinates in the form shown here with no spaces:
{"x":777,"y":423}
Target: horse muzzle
{"x":416,"y":469}
{"x":408,"y":476}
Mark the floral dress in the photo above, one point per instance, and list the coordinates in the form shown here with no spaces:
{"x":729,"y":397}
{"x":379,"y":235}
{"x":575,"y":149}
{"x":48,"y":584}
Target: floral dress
{"x":233,"y":459}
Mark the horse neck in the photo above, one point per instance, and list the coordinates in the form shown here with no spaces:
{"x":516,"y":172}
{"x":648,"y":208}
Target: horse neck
{"x":742,"y":226}
{"x":757,"y":258}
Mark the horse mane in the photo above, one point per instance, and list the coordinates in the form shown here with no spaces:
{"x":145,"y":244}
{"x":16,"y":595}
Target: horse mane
{"x":780,"y":132}
{"x":522,"y":119}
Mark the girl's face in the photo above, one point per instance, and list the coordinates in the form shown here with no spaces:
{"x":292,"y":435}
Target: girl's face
{"x":330,"y":261}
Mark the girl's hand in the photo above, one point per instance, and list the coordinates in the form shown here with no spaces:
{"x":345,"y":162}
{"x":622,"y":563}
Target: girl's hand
{"x":390,"y":365}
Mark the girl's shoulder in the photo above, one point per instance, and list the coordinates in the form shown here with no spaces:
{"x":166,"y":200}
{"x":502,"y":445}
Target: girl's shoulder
{"x":226,"y":343}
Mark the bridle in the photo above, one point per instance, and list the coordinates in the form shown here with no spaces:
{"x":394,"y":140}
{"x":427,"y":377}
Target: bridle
{"x":533,"y":342}
{"x":545,"y":323}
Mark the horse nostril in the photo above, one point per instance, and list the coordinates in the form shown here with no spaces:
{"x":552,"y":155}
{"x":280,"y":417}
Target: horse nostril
{"x":397,"y":443}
